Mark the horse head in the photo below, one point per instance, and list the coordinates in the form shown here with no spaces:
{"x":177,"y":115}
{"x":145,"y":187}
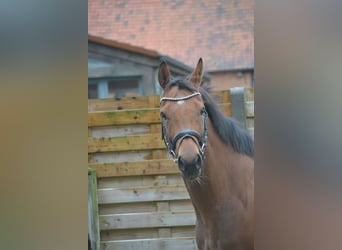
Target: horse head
{"x":183,"y":114}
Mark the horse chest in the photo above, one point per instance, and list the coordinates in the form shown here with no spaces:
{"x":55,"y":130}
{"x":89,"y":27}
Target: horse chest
{"x":214,"y":238}
{"x":219,"y":229}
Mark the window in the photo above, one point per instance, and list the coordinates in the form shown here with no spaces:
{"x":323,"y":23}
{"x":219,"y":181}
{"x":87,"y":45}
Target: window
{"x":126,"y":87}
{"x":92,"y":91}
{"x":114,"y":87}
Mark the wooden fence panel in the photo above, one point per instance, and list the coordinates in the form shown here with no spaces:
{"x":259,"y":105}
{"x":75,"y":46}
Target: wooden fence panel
{"x":93,"y":215}
{"x":142,"y":200}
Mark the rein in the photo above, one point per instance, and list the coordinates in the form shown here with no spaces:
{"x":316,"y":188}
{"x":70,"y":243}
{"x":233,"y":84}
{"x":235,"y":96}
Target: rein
{"x":185,"y":133}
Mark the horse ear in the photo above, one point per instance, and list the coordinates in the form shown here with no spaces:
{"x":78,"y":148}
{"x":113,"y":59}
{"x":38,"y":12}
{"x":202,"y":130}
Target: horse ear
{"x":164,"y":75}
{"x":197,"y":74}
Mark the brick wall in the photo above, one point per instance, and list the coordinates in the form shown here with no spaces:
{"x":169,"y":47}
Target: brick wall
{"x":227,"y":80}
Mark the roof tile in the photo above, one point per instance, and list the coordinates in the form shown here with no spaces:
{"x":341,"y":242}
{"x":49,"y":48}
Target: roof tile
{"x":222,"y":32}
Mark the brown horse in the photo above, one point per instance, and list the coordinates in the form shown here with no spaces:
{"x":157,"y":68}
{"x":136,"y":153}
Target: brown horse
{"x":215,"y":157}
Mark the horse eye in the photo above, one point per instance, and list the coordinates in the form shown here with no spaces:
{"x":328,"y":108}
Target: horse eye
{"x":203,"y":111}
{"x":162,"y":115}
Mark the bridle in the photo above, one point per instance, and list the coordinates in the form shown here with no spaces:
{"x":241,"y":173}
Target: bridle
{"x":185,"y":133}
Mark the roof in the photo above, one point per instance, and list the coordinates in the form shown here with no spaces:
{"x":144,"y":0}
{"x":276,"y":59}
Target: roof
{"x":221,"y":32}
{"x":142,"y":51}
{"x":124,"y":46}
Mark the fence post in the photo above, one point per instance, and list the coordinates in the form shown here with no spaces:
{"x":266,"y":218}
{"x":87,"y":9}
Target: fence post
{"x":93,"y":214}
{"x":238,"y":105}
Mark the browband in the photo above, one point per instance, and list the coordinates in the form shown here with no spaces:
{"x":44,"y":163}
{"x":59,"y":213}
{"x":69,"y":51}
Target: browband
{"x":179,"y":98}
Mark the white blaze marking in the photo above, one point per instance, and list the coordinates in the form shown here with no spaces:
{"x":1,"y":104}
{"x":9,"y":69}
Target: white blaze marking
{"x":180,"y":102}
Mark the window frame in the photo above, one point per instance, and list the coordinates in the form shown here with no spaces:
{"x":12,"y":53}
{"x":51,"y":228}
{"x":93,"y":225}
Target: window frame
{"x":103,"y":84}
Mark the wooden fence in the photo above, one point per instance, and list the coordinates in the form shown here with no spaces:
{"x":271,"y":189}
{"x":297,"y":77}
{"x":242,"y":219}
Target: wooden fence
{"x":93,"y":222}
{"x":142,"y":200}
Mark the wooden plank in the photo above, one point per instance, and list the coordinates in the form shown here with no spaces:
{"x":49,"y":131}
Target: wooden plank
{"x":249,"y":108}
{"x":146,"y":233}
{"x":140,"y":180}
{"x":134,"y":102}
{"x":126,"y":181}
{"x":141,"y":194}
{"x":124,"y":117}
{"x":151,"y":244}
{"x":181,"y":205}
{"x":226,"y":109}
{"x":158,"y":154}
{"x":93,"y":213}
{"x":136,"y":207}
{"x":149,"y":167}
{"x":164,"y":232}
{"x":147,"y":220}
{"x":144,"y":207}
{"x":122,"y":130}
{"x":249,"y":94}
{"x":155,"y":128}
{"x":251,"y":132}
{"x":154,"y":101}
{"x":126,"y":143}
{"x":186,"y":231}
{"x":112,"y":157}
{"x":221,"y":96}
{"x":250,"y":122}
{"x":135,"y":233}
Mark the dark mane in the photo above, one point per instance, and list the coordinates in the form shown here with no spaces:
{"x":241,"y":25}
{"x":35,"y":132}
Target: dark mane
{"x":227,"y":128}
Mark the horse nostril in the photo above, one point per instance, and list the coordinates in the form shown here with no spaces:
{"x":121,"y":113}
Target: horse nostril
{"x":181,"y":163}
{"x":198,"y":161}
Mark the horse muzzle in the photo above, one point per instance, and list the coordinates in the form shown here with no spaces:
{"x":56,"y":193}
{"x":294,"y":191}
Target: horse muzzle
{"x":189,"y":157}
{"x":190,"y":167}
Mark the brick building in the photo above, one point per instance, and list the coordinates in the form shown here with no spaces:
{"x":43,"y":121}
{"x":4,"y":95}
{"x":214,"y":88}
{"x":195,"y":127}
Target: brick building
{"x":118,"y":69}
{"x":221,"y":32}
